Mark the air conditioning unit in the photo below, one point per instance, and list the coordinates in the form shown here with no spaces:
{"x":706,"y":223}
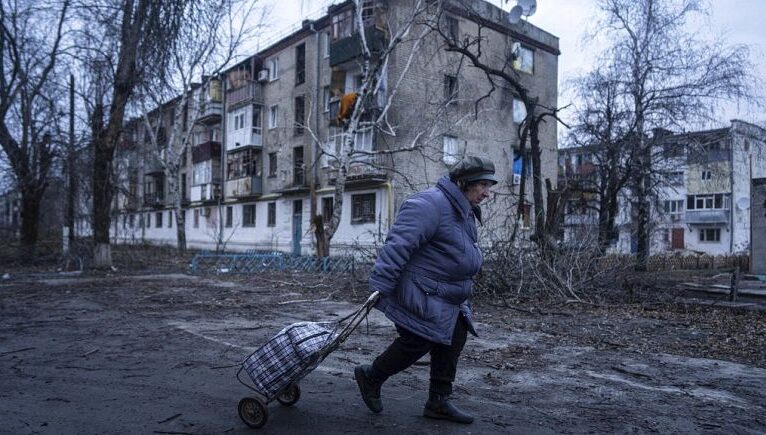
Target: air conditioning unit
{"x":675,"y":217}
{"x":263,"y":75}
{"x":516,"y":179}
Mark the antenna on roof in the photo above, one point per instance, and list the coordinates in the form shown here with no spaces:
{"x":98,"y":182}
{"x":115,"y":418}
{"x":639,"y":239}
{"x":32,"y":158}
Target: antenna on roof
{"x":514,"y":15}
{"x":525,"y":8}
{"x":529,"y":6}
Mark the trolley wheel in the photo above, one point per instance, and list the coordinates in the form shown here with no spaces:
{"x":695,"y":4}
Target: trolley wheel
{"x":290,"y":395}
{"x":253,"y":412}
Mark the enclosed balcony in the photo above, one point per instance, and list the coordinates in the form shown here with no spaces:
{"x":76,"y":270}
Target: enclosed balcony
{"x":347,"y":49}
{"x":205,"y":192}
{"x":244,"y":187}
{"x":709,"y":216}
{"x":210,"y":150}
{"x":251,"y":92}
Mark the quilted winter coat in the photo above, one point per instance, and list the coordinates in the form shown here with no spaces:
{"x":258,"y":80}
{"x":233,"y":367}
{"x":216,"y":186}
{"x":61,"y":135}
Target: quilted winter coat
{"x":424,"y":271}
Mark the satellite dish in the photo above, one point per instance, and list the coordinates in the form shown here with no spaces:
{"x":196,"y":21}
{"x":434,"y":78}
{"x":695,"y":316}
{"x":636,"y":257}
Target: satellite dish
{"x":743,"y":203}
{"x":514,"y":15}
{"x":529,"y":7}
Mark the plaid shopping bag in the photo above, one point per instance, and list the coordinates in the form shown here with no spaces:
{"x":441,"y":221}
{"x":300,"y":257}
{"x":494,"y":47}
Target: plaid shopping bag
{"x":287,"y":357}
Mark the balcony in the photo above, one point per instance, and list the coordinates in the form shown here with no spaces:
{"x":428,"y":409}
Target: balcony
{"x":210,"y":150}
{"x":347,"y":49}
{"x":372,"y":107}
{"x":709,"y":216}
{"x":154,"y":199}
{"x":205,"y":192}
{"x":251,"y":92}
{"x":365,"y":169}
{"x":210,"y":112}
{"x":244,"y":138}
{"x":244,"y":187}
{"x":130,"y":203}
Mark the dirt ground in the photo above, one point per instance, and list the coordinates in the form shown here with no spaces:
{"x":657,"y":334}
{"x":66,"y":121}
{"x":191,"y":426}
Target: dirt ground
{"x":157,"y":353}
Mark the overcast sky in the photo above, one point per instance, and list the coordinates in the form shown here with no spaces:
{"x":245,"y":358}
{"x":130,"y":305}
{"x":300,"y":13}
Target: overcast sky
{"x":739,"y":21}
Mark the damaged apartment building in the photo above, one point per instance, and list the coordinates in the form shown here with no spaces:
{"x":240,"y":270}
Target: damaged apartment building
{"x":262,"y":144}
{"x":707,"y":194}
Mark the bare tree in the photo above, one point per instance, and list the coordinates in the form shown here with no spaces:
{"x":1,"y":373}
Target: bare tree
{"x":502,"y":72}
{"x":123,"y":45}
{"x":667,"y":77}
{"x":28,"y":100}
{"x":208,"y":41}
{"x":602,"y":127}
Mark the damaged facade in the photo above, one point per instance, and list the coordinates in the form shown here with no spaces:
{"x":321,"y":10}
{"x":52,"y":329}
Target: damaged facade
{"x":704,"y":200}
{"x":257,"y":144}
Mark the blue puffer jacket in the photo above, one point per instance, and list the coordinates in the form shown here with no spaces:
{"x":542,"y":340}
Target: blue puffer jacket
{"x":424,"y":270}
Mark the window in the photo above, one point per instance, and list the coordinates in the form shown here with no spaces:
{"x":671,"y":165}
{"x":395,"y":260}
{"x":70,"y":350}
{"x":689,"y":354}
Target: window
{"x":299,"y":178}
{"x":343,"y":25}
{"x":248,"y":215}
{"x":272,"y":214}
{"x":674,"y":208}
{"x":363,"y":208}
{"x":363,"y":138}
{"x":710,"y":234}
{"x":256,"y":120}
{"x":229,"y":216}
{"x":196,"y":218}
{"x":273,"y":69}
{"x":202,"y":173}
{"x":148,"y":220}
{"x":300,"y":64}
{"x":674,"y":178}
{"x":273,"y":116}
{"x":170,"y":219}
{"x":450,"y":150}
{"x":327,"y":206}
{"x":706,"y":175}
{"x":272,"y":164}
{"x":519,"y":111}
{"x":701,"y":202}
{"x":326,"y":38}
{"x":300,"y":106}
{"x":523,"y":58}
{"x":244,"y":163}
{"x":452,"y":28}
{"x":450,"y":87}
{"x":326,"y":95}
{"x":132,"y":220}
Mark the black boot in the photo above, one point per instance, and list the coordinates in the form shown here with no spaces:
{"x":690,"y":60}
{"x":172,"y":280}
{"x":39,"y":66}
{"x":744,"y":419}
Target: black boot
{"x":369,"y":386}
{"x":440,"y":407}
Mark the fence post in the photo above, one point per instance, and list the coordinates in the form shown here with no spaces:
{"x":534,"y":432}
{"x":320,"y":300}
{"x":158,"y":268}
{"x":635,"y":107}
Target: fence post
{"x":735,"y":276}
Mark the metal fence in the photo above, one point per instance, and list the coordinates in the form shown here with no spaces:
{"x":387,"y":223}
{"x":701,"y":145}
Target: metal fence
{"x":252,"y":262}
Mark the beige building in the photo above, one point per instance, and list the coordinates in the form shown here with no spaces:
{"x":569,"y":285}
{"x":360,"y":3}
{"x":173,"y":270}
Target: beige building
{"x":268,"y":127}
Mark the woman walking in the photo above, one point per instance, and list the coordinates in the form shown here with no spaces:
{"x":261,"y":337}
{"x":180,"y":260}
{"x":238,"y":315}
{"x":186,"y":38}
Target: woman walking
{"x":424,"y":275}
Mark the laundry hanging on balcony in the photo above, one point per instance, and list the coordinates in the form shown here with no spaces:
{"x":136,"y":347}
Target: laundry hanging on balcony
{"x":347,"y":102}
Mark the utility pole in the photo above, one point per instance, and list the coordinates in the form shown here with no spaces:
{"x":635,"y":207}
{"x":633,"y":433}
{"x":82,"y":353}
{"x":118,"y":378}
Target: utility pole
{"x":72,"y":191}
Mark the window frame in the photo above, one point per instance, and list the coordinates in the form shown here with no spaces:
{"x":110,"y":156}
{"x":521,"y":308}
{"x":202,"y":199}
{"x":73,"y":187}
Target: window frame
{"x":248,"y":215}
{"x":450,"y":158}
{"x":271,"y":214}
{"x":358,"y":203}
{"x":273,"y":116}
{"x":710,"y":235}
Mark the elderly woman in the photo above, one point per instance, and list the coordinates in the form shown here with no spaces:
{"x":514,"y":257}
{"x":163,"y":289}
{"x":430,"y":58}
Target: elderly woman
{"x":424,"y":276}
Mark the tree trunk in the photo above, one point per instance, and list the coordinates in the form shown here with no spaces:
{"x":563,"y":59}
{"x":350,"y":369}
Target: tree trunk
{"x":30,"y":213}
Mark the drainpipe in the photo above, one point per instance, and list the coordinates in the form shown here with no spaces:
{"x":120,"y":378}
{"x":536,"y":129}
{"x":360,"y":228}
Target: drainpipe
{"x":731,"y":183}
{"x":314,"y":153}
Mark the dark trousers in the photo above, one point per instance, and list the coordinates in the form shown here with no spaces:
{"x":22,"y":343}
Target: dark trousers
{"x":408,"y":348}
